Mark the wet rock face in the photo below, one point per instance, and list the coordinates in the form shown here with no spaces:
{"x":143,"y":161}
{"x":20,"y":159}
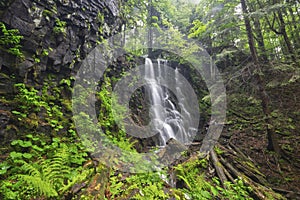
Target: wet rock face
{"x":5,"y":133}
{"x":58,"y":34}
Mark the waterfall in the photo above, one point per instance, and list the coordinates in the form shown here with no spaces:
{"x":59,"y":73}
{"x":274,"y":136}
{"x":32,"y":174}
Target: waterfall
{"x":168,"y":118}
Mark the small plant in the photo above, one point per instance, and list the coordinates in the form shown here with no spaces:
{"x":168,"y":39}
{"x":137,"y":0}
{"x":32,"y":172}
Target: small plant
{"x":28,"y":99}
{"x":60,"y":27}
{"x":36,"y":59}
{"x":109,"y":116}
{"x":196,"y":186}
{"x":45,"y":52}
{"x":139,"y":187}
{"x":47,"y":13}
{"x":31,"y":103}
{"x":218,"y":150}
{"x":10,"y":41}
{"x":67,"y":81}
{"x":233,"y":191}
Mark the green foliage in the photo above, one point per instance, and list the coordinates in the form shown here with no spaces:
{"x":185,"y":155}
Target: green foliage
{"x":108,"y":118}
{"x":48,"y":103}
{"x":218,"y":150}
{"x":10,"y":41}
{"x":67,"y":81}
{"x":60,"y":27}
{"x":47,"y":13}
{"x":183,"y":51}
{"x":284,"y":124}
{"x":4,"y":166}
{"x":171,"y":13}
{"x":138,"y":187}
{"x":39,"y":169}
{"x":197,"y":187}
{"x":198,"y":29}
{"x":215,"y":24}
{"x":135,"y":13}
{"x":36,"y":59}
{"x":234,"y":191}
{"x":45,"y":52}
{"x":28,"y":100}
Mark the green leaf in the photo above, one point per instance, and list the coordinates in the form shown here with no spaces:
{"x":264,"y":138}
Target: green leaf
{"x":26,"y":144}
{"x":206,"y":194}
{"x":57,"y":140}
{"x":35,"y":147}
{"x":27,"y":155}
{"x":15,"y":142}
{"x":214,"y":190}
{"x":3,"y":168}
{"x":30,"y":136}
{"x":15,"y":112}
{"x":14,"y":155}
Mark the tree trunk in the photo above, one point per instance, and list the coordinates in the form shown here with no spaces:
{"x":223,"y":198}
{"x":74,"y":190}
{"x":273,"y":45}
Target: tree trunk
{"x":272,"y":140}
{"x":294,"y":23}
{"x":259,"y":37}
{"x":260,"y":40}
{"x":286,"y":38}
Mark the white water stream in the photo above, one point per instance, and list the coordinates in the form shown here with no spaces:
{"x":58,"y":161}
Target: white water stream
{"x":169,"y":119}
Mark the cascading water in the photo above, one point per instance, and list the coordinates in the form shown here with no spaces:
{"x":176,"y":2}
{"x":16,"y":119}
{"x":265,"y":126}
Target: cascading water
{"x":169,"y":119}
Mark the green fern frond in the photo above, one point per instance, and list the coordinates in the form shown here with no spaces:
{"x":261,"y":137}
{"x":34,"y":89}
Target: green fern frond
{"x":30,"y":169}
{"x":43,"y":187}
{"x":48,"y":177}
{"x":56,"y":169}
{"x":76,"y":179}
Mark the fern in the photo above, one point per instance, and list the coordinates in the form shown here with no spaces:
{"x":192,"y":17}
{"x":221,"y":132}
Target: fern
{"x":43,"y":177}
{"x":56,"y":169}
{"x":77,"y":178}
{"x":42,"y":187}
{"x":46,"y":177}
{"x":197,"y":187}
{"x":29,"y":169}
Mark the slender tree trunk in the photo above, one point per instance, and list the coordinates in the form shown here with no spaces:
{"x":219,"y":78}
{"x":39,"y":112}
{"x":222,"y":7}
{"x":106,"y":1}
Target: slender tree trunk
{"x":259,"y":37}
{"x":283,"y":32}
{"x":294,"y":25}
{"x":260,"y":40}
{"x":272,"y":140}
{"x":285,"y":37}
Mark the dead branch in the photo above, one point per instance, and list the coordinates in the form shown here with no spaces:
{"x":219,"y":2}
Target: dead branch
{"x":218,"y":166}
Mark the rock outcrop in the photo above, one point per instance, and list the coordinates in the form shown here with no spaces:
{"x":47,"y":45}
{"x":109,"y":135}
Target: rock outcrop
{"x":57,"y":34}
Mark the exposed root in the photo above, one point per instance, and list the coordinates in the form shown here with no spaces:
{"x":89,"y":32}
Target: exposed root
{"x":232,"y":163}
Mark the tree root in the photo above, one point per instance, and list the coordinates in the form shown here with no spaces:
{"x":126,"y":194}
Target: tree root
{"x":232,"y":163}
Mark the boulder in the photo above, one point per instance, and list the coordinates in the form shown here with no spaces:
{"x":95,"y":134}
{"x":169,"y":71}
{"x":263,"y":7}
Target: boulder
{"x":171,"y":152}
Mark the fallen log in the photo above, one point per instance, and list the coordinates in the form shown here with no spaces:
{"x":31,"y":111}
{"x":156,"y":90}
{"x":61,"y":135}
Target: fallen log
{"x":218,"y":167}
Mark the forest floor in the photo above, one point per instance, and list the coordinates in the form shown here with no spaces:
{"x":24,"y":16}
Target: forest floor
{"x":247,"y":132}
{"x":282,"y":173}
